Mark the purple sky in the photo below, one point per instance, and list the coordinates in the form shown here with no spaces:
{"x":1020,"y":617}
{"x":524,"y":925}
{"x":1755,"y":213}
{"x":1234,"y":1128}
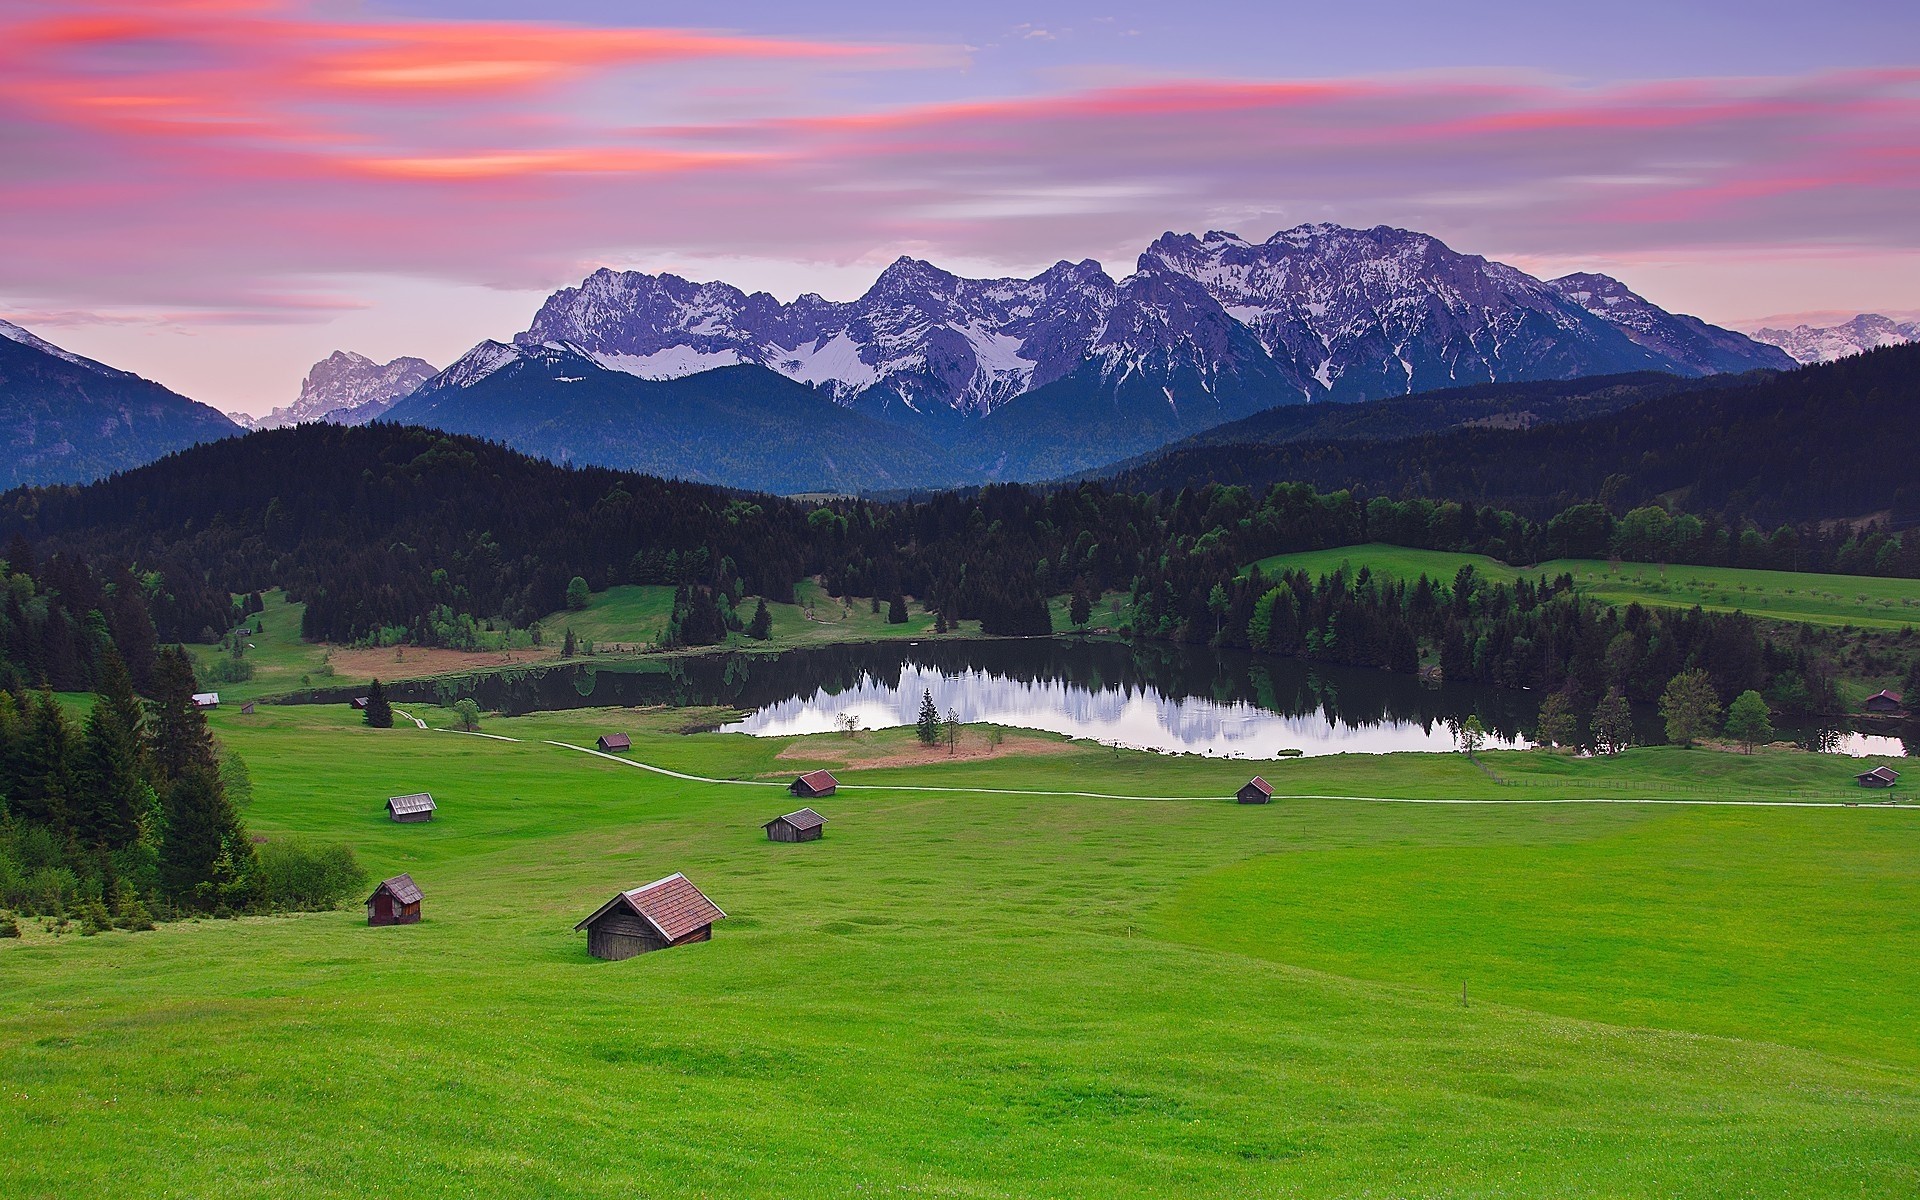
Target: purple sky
{"x":216,"y":194}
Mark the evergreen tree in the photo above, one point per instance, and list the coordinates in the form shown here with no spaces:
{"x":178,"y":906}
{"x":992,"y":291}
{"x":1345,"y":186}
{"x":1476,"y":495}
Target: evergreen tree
{"x":568,"y":646}
{"x":206,"y":858}
{"x":113,"y":786}
{"x":180,"y":739}
{"x":1690,"y":707}
{"x":1910,"y":687}
{"x":897,"y":610}
{"x":928,"y":726}
{"x":1080,"y":608}
{"x":1749,"y":719}
{"x":761,"y":627}
{"x":43,"y":769}
{"x":379,"y":711}
{"x":1613,"y":723}
{"x":577,"y":594}
{"x":940,"y":622}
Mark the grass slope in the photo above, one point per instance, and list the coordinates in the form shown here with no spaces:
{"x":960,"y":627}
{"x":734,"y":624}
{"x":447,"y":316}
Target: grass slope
{"x":1860,"y":600}
{"x":981,"y":994}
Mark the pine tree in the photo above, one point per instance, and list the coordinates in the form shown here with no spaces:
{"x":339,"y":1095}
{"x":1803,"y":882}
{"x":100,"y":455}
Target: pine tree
{"x":379,"y":712}
{"x":1080,"y":608}
{"x":761,"y":627}
{"x":43,"y":768}
{"x":113,"y":787}
{"x":568,"y":646}
{"x":928,"y":726}
{"x":897,"y":610}
{"x":180,"y":739}
{"x":206,"y":859}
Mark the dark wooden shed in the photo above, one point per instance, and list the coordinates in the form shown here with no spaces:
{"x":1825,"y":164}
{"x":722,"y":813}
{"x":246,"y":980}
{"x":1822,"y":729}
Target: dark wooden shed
{"x":246,"y":710}
{"x":417,"y":807}
{"x":803,"y":826}
{"x":358,"y":702}
{"x":1879,"y":777}
{"x":1254,"y":791}
{"x":613,"y":743}
{"x":814,"y":784}
{"x":666,"y":912}
{"x":1883,"y":702}
{"x":395,"y":902}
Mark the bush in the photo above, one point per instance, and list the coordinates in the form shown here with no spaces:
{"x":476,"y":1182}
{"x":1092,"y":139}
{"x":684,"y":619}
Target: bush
{"x":295,"y":876}
{"x":94,"y":919}
{"x":230,"y":670}
{"x":9,"y":928}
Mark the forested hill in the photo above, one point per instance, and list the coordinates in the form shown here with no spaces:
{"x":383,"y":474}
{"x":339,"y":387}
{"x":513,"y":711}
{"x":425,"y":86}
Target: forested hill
{"x":1833,"y":441}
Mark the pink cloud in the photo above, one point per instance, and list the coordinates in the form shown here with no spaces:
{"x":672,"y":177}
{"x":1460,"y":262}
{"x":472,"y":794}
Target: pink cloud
{"x":223,"y":155}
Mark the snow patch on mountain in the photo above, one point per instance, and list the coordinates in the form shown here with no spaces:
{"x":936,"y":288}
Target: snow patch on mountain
{"x":14,"y":333}
{"x":345,"y":388}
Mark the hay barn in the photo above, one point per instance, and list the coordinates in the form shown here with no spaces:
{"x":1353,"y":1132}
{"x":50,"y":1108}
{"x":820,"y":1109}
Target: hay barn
{"x":805,"y":825}
{"x":814,"y":784}
{"x":667,"y":912}
{"x":417,"y":807}
{"x":395,"y":902}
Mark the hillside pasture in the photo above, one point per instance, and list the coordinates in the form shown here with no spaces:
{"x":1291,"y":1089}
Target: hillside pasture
{"x":979,"y":993}
{"x":1859,"y":600}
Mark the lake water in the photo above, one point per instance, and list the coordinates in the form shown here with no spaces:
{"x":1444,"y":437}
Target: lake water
{"x":1150,"y":696}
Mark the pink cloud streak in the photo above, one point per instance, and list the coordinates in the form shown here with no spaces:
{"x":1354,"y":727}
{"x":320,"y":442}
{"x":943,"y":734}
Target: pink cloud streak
{"x":230,"y":154}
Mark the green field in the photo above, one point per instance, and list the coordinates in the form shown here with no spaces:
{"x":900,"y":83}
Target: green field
{"x":977,"y":994}
{"x":1860,"y":600}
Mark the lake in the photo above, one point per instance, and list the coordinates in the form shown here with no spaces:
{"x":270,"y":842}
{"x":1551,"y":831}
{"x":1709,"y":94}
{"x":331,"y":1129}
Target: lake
{"x":1151,"y":696}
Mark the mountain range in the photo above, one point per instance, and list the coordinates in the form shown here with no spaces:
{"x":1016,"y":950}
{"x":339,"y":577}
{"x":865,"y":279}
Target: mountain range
{"x":345,"y":388}
{"x":69,"y":419}
{"x":1824,"y":343}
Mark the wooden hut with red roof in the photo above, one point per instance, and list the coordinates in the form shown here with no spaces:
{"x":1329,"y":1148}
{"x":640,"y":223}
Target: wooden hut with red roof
{"x":1883,"y":702}
{"x":1254,"y":791}
{"x":666,"y":912}
{"x":814,"y":784}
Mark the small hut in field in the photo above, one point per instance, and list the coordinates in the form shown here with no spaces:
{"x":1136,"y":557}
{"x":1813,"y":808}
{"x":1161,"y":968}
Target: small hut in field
{"x":614,"y":743}
{"x":1883,"y":702}
{"x":358,"y":703}
{"x":246,"y":710}
{"x":395,"y":902}
{"x":1879,"y":777}
{"x":1254,"y":791}
{"x":805,"y":825}
{"x":206,"y":699}
{"x":814,"y":784}
{"x":667,"y":912}
{"x":407,"y":809}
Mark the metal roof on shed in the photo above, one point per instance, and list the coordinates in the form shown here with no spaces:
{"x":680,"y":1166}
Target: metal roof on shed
{"x":803,"y":820}
{"x":418,"y":802}
{"x":401,"y":887}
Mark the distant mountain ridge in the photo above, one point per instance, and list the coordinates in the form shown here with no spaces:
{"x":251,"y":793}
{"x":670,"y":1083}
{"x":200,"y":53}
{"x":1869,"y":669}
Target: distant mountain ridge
{"x":1824,"y":343}
{"x":345,"y":388}
{"x":1315,"y":312}
{"x":65,"y":418}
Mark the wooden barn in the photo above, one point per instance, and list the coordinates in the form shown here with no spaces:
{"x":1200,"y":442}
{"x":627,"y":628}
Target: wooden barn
{"x":417,"y":807}
{"x":614,"y":743}
{"x":395,"y":902}
{"x":666,"y":912}
{"x":358,"y":702}
{"x":803,"y":826}
{"x":1879,"y":777}
{"x":814,"y":784}
{"x":206,"y":699}
{"x":1254,"y":791}
{"x":246,"y":710}
{"x":1883,"y":702}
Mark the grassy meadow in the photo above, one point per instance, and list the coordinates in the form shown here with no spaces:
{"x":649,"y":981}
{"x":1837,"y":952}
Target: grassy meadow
{"x":1858,"y":600}
{"x":972,"y":993}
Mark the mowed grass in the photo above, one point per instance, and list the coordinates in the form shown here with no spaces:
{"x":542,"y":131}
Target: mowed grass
{"x":980,"y":994}
{"x":1782,"y":595}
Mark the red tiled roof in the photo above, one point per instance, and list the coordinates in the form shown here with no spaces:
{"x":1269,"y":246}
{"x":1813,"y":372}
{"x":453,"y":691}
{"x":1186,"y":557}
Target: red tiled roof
{"x":1883,"y":694}
{"x":1261,"y":785}
{"x":819,"y":779}
{"x":617,"y":741}
{"x":672,"y":905}
{"x":1886,"y":773}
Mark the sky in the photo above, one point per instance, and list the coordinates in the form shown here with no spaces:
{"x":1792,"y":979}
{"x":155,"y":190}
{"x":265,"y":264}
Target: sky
{"x":217,"y":193}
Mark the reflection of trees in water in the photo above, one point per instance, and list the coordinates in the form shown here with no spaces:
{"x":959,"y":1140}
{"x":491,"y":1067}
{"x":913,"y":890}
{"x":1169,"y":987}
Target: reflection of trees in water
{"x":1086,"y":679}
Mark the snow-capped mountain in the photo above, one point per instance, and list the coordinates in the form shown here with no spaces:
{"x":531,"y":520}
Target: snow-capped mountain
{"x":345,"y":388}
{"x":1704,"y":349}
{"x":1315,"y":312}
{"x":1824,"y":343}
{"x":68,"y":419}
